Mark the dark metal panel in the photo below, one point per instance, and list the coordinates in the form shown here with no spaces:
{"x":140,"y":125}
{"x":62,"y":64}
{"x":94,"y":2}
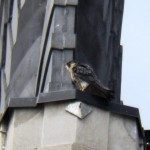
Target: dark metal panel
{"x":147,"y":139}
{"x":98,"y":40}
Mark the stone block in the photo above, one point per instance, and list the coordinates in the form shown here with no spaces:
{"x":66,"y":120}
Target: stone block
{"x":62,"y":128}
{"x":25,"y":74}
{"x":60,"y":78}
{"x":26,"y":129}
{"x":48,"y":13}
{"x":30,"y":7}
{"x":8,"y":54}
{"x":61,"y":35}
{"x":58,"y":41}
{"x":3,"y":131}
{"x":64,"y":19}
{"x":57,"y":61}
{"x":99,"y":130}
{"x":10,"y":134}
{"x":2,"y":33}
{"x":70,"y":41}
{"x":66,"y":2}
{"x":27,"y":35}
{"x":67,"y":147}
{"x":92,"y":132}
{"x":51,"y":127}
{"x":67,"y":56}
{"x":123,"y":133}
{"x":7,"y":5}
{"x":3,"y":93}
{"x":62,"y":41}
{"x":59,"y":127}
{"x":14,"y":22}
{"x":45,"y":47}
{"x":72,"y":2}
{"x":22,"y":102}
{"x":61,"y":147}
{"x":55,"y":96}
{"x":1,"y":51}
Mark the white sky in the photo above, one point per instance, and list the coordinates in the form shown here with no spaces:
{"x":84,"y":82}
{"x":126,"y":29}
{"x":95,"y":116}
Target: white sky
{"x":136,"y":57}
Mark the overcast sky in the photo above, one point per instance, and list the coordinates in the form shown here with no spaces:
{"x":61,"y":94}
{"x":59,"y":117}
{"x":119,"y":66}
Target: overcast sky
{"x":136,"y":57}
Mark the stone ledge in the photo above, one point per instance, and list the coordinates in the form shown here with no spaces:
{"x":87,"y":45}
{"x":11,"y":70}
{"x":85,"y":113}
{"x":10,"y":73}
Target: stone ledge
{"x":66,"y":147}
{"x":22,"y":102}
{"x":66,"y":2}
{"x":56,"y":96}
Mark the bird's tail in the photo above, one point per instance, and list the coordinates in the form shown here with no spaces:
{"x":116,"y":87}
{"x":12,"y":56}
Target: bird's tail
{"x":105,"y":92}
{"x":109,"y":94}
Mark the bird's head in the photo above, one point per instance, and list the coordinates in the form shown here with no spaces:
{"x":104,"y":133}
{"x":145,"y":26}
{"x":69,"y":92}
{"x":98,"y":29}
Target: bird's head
{"x":71,"y":65}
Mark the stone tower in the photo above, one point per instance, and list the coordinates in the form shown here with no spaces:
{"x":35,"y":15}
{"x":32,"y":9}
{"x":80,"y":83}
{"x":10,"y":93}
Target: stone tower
{"x":40,"y":109}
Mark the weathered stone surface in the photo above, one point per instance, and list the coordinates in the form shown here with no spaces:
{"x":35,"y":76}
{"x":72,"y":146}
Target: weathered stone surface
{"x":62,"y":41}
{"x":27,"y":129}
{"x":60,"y":147}
{"x":55,"y":96}
{"x":3,"y":93}
{"x":27,"y":34}
{"x":59,"y":127}
{"x":67,"y":147}
{"x":93,"y":131}
{"x":14,"y":23}
{"x":3,"y":132}
{"x":98,"y":43}
{"x":8,"y":54}
{"x":64,"y":128}
{"x":2,"y":33}
{"x":2,"y":17}
{"x":61,"y":35}
{"x":30,"y":7}
{"x":64,"y":19}
{"x":66,"y":2}
{"x":22,"y":102}
{"x":0,"y":52}
{"x":51,"y":128}
{"x":10,"y":134}
{"x":60,"y":79}
{"x":123,"y":133}
{"x":25,"y":74}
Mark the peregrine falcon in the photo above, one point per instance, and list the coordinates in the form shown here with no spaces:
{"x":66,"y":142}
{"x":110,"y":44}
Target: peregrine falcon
{"x":85,"y":80}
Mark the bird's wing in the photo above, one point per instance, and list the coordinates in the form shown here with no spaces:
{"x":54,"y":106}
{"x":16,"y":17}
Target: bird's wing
{"x":85,"y":73}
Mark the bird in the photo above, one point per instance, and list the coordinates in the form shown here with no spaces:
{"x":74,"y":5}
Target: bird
{"x":85,"y":80}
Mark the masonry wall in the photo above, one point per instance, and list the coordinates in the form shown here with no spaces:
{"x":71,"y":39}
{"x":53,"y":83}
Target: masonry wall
{"x":37,"y":39}
{"x":52,"y":128}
